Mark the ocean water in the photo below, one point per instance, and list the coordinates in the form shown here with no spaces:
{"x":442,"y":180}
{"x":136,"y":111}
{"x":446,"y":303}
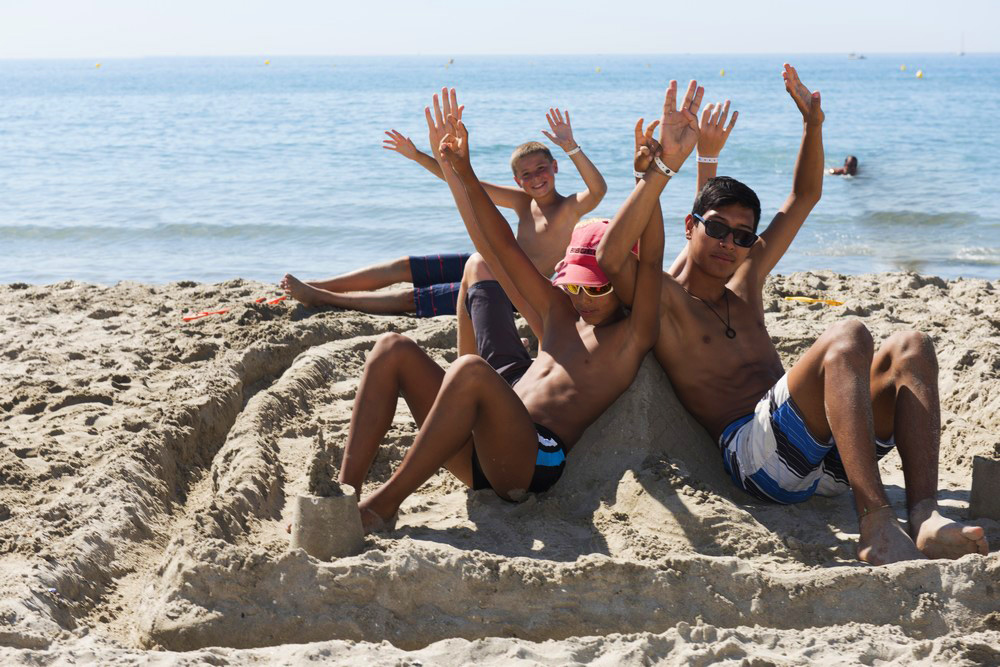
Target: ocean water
{"x":166,"y":169}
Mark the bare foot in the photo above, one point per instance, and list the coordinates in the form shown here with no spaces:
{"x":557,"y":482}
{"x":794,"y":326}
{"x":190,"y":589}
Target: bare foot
{"x":305,"y":294}
{"x":372,"y":522}
{"x":940,"y":537}
{"x":883,"y":540}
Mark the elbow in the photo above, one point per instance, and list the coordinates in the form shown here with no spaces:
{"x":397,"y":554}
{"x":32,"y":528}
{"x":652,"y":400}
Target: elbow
{"x":600,"y":190}
{"x":609,"y":260}
{"x":809,"y":197}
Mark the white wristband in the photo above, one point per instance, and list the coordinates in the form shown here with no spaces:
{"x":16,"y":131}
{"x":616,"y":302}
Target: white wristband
{"x":667,"y":171}
{"x":638,"y":174}
{"x":573,"y":152}
{"x":708,"y":160}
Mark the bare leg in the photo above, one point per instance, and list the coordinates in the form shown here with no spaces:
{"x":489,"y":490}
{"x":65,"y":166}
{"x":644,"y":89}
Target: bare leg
{"x":466,"y":333}
{"x":905,"y":404}
{"x":831,"y":387}
{"x":395,"y":366}
{"x":473,"y":400}
{"x":369,"y":278}
{"x":390,"y":302}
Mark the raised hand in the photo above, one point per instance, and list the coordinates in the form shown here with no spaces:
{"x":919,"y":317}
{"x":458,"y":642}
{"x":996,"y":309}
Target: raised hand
{"x":437,"y":126}
{"x":679,"y":127}
{"x":808,"y":103}
{"x":562,"y":131}
{"x":454,"y":146}
{"x":645,"y":145}
{"x":713,"y":129}
{"x":401,"y":144}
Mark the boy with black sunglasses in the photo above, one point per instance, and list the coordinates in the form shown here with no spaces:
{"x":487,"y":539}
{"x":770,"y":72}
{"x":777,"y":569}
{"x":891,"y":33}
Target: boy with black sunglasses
{"x":822,"y":426}
{"x":496,"y":425}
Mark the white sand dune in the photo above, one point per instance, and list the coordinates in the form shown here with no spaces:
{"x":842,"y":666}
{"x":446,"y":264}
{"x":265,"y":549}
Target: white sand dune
{"x":146,"y":464}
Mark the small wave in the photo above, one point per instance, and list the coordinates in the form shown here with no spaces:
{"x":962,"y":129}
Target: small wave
{"x":918,"y":218}
{"x":154,"y":232}
{"x":981,"y":256}
{"x":843,"y":250}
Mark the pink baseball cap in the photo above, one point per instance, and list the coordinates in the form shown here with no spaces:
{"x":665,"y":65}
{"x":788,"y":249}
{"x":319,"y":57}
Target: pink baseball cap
{"x":579,"y":266}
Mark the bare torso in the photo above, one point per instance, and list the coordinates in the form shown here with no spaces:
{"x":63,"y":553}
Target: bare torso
{"x":543,"y":230}
{"x":579,"y":372}
{"x":717,"y":378}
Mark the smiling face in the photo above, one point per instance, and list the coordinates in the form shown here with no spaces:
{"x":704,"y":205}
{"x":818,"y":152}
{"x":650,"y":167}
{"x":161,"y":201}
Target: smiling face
{"x":719,"y":257}
{"x":536,"y":174}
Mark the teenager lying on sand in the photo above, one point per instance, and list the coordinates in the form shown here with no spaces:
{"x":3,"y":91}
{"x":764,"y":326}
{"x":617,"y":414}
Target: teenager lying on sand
{"x":507,"y":432}
{"x":545,"y":220}
{"x":787,"y":435}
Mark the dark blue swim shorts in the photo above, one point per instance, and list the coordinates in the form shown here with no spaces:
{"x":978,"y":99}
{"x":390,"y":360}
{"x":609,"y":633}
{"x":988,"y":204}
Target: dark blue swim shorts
{"x":436,"y":280}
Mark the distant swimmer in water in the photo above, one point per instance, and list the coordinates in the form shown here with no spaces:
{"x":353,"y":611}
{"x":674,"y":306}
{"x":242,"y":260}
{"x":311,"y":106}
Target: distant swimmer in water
{"x":850,"y":167}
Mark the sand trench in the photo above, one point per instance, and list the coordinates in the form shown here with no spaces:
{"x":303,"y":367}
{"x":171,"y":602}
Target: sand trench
{"x":146,"y":465}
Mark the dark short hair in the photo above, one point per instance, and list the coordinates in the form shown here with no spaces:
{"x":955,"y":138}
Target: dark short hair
{"x":725,"y":191}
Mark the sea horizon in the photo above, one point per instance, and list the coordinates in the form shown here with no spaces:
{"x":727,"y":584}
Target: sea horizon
{"x":206,"y":168}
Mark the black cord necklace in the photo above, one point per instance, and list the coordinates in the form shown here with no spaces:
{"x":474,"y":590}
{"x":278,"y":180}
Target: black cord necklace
{"x":730,"y":332}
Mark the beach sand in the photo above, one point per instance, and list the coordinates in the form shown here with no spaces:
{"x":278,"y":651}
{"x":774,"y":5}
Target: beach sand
{"x":146,"y":466}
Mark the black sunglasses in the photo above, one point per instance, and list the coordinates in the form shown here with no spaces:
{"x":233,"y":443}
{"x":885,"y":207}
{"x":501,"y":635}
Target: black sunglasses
{"x":720,"y":230}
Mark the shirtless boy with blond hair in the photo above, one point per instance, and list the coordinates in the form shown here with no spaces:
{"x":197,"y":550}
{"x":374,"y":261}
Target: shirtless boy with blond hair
{"x":821,"y":426}
{"x":508,"y":432}
{"x":545,"y":220}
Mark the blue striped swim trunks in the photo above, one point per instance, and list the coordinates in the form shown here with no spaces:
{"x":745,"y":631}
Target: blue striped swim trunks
{"x":436,"y":281}
{"x":771,"y":454}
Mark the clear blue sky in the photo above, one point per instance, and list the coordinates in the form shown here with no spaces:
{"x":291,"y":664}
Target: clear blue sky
{"x":130,"y":28}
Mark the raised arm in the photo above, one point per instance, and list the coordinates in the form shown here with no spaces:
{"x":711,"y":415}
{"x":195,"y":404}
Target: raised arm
{"x":642,"y":281}
{"x":403,"y":145}
{"x":807,"y":183}
{"x":501,"y":195}
{"x":678,"y":136}
{"x":713,"y":137}
{"x":711,"y":141}
{"x":488,"y":229}
{"x":562,"y":136}
{"x":645,"y":147}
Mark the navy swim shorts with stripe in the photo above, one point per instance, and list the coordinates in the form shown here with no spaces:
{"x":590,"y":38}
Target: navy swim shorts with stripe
{"x":771,"y":454}
{"x":499,"y":344}
{"x":436,"y":281}
{"x":549,"y":463}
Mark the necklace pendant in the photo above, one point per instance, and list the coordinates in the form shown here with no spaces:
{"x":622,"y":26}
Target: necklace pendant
{"x":730,"y":332}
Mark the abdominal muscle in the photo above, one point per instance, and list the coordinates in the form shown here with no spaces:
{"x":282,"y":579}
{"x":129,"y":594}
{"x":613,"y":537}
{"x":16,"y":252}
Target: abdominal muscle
{"x":554,"y":399}
{"x":718,"y":385}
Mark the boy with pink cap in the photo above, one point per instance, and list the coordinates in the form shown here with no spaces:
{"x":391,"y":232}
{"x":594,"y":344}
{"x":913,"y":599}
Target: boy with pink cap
{"x":510,"y":427}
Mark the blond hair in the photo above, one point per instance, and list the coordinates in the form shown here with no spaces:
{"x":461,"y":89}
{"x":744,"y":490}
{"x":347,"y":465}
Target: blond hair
{"x":530,"y":148}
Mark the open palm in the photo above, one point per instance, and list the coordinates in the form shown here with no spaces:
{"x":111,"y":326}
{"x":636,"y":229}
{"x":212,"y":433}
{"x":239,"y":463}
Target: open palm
{"x":679,"y":127}
{"x":437,"y":122}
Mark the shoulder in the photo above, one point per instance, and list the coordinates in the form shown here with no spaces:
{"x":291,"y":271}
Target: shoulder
{"x":748,"y":286}
{"x":672,"y":293}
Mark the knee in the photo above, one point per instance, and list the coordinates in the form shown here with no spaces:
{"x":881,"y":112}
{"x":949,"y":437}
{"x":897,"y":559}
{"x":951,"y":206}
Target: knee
{"x":389,"y":347}
{"x":911,"y":351}
{"x":476,"y":270}
{"x":850,"y":344}
{"x":468,"y":370}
